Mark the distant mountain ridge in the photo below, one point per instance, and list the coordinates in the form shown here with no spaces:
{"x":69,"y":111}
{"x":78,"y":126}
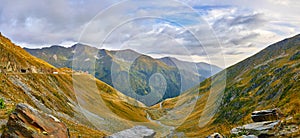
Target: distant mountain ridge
{"x":128,"y":66}
{"x":204,"y":69}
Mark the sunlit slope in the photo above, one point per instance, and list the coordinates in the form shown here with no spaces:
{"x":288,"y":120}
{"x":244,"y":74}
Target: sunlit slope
{"x":58,"y":91}
{"x":14,"y":59}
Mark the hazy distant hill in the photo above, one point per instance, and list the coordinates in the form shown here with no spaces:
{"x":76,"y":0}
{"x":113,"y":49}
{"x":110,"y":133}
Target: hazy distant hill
{"x":128,"y":71}
{"x":203,"y":69}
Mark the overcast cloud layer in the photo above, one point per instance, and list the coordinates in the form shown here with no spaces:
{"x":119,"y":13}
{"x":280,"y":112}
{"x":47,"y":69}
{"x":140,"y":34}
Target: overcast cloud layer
{"x":199,"y":30}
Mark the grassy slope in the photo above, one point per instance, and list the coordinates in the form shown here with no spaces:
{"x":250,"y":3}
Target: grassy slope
{"x":266,"y":80}
{"x":54,"y":93}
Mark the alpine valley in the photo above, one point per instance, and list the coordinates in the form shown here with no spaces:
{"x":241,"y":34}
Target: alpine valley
{"x":47,"y":93}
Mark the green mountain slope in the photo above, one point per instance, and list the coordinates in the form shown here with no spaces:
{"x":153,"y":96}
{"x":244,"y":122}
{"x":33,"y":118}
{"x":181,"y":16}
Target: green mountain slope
{"x":127,"y":70}
{"x":268,"y":79}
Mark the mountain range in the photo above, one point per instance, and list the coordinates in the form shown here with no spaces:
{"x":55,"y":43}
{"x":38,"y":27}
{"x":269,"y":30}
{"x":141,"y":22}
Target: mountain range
{"x":130,"y":72}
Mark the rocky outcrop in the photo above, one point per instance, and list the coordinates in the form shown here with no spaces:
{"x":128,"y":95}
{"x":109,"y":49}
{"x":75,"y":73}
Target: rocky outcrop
{"x":266,"y":115}
{"x":135,"y":132}
{"x":265,"y":128}
{"x":266,"y":123}
{"x":26,"y":121}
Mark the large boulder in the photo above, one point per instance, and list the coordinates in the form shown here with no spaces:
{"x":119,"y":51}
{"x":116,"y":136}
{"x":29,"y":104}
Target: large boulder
{"x":265,"y":115}
{"x":135,"y":132}
{"x":26,"y":121}
{"x":266,"y":128}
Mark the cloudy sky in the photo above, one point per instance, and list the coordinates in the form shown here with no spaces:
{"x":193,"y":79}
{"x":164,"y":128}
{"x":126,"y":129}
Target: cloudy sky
{"x":220,"y":32}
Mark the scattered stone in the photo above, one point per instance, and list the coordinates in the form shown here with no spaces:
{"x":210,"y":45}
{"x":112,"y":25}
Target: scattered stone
{"x":265,"y":115}
{"x":135,"y":132}
{"x":23,"y":70}
{"x":215,"y":135}
{"x":26,"y":121}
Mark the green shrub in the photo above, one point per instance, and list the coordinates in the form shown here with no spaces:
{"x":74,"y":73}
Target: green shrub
{"x":2,"y":103}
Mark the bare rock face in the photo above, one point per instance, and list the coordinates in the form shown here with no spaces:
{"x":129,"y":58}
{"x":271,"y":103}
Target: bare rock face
{"x":135,"y":132}
{"x":26,"y":121}
{"x":265,"y":115}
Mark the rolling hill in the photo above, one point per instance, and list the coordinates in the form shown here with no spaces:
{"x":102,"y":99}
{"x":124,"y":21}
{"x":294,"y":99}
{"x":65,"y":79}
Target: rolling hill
{"x":268,"y":79}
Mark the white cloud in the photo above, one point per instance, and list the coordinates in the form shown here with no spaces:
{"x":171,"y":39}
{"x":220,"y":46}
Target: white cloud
{"x":242,"y":27}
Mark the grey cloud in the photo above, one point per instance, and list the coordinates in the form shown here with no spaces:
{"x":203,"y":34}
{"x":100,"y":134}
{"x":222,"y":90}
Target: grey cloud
{"x":233,"y":52}
{"x":247,"y":21}
{"x":55,"y":21}
{"x":246,"y":38}
{"x":50,"y":21}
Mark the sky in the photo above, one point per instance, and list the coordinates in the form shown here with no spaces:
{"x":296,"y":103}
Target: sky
{"x":220,"y":32}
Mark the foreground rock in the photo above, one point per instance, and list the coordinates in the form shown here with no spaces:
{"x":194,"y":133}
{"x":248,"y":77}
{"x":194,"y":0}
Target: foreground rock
{"x":248,"y":136}
{"x":265,"y":128}
{"x":265,"y":115}
{"x":26,"y":121}
{"x":135,"y":132}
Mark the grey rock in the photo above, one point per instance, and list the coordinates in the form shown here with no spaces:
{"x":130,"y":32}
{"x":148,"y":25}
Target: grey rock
{"x":248,"y":136}
{"x":135,"y":132}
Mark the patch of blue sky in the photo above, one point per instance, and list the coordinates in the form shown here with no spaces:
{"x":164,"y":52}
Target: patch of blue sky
{"x":211,"y":7}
